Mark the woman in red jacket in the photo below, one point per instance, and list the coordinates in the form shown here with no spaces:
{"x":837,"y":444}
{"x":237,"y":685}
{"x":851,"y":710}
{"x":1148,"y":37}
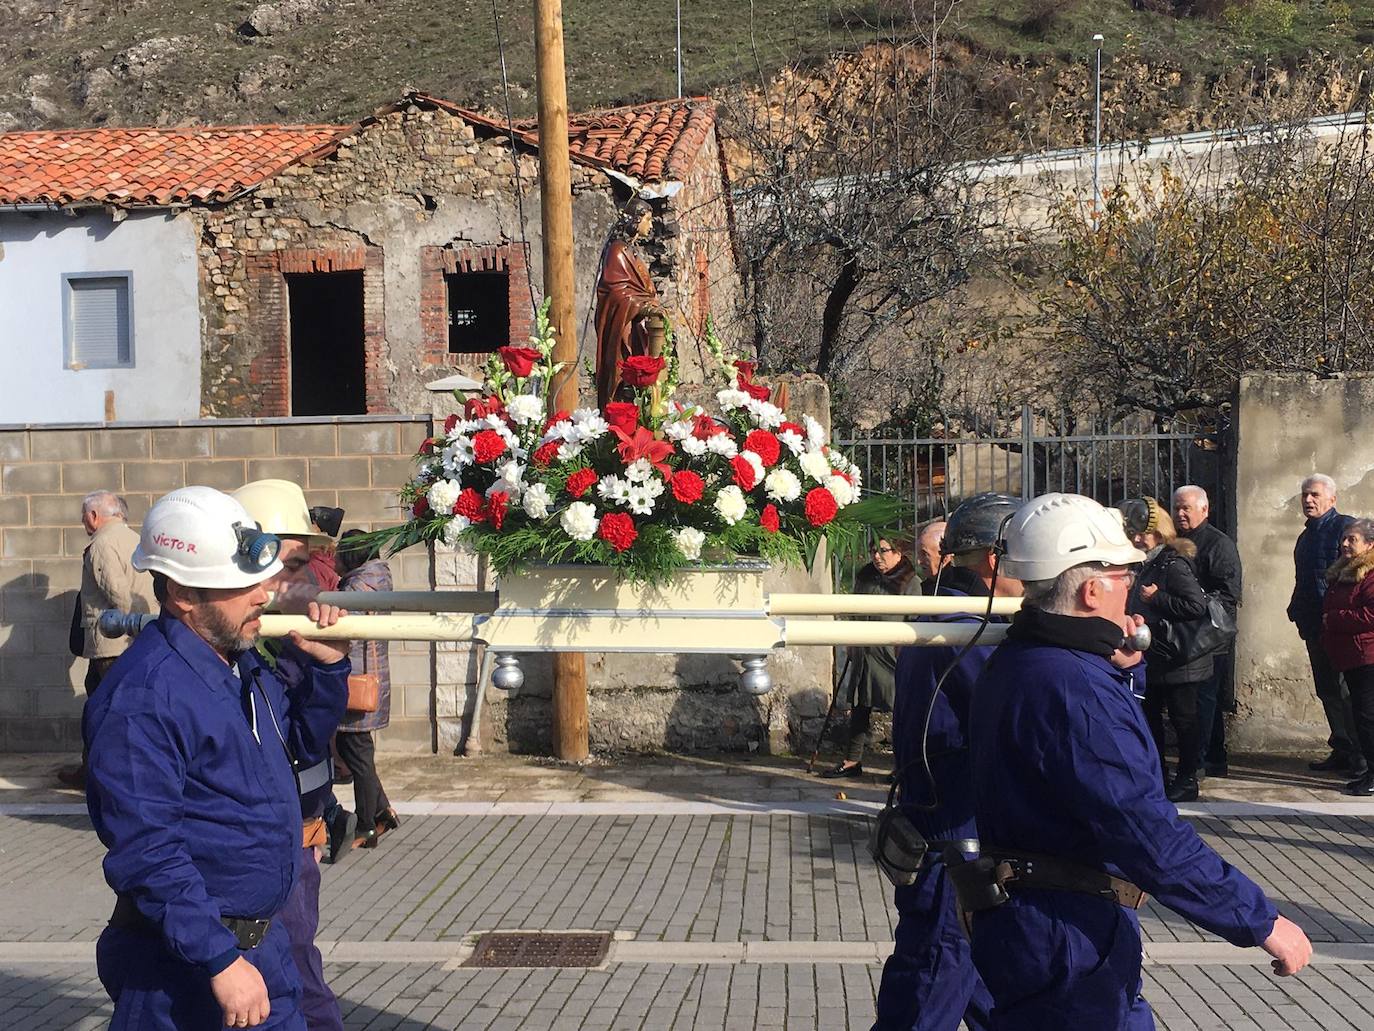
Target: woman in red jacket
{"x":1348,"y":635}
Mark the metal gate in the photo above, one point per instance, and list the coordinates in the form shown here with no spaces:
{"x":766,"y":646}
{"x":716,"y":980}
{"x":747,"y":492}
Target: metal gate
{"x":1109,"y":460}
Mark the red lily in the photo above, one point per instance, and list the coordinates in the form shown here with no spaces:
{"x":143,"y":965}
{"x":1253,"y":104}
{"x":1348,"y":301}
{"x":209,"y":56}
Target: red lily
{"x":641,"y":444}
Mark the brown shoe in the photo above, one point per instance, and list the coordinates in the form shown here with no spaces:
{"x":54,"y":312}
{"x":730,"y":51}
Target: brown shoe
{"x":368,"y":840}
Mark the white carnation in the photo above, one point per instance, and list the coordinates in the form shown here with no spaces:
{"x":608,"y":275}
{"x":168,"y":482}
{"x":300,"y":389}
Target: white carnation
{"x":453,"y":528}
{"x":765,"y":413}
{"x":815,"y":436}
{"x":729,"y":399}
{"x":815,"y":465}
{"x":722,"y":444}
{"x":443,"y":495}
{"x":841,"y":490}
{"x":525,"y":409}
{"x":579,"y":521}
{"x":639,"y":470}
{"x":731,"y":505}
{"x":640,"y":499}
{"x":782,"y":485}
{"x":536,"y":501}
{"x":755,"y":462}
{"x":694,"y":447}
{"x":689,"y":541}
{"x":794,"y":442}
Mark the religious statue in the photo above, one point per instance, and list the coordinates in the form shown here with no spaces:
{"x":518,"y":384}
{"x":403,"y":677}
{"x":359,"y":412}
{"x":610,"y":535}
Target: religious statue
{"x":629,"y":317}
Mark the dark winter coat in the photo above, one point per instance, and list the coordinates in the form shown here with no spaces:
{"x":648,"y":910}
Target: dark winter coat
{"x":1180,"y":600}
{"x":1348,"y":613}
{"x":1217,"y":564}
{"x":872,"y":671}
{"x":1318,"y":547}
{"x":369,"y":656}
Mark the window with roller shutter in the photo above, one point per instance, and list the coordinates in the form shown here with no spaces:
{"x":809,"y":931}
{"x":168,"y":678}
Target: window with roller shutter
{"x":98,"y":319}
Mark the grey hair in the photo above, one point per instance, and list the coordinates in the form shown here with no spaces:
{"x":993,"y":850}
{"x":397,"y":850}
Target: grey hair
{"x":1060,"y":594}
{"x":1323,"y":479}
{"x":1363,"y":527}
{"x":1197,"y":493}
{"x":106,"y":503}
{"x":934,"y":528}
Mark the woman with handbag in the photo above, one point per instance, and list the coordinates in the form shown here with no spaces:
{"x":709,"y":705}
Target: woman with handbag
{"x":1348,"y":635}
{"x":369,"y":698}
{"x":1167,"y":594}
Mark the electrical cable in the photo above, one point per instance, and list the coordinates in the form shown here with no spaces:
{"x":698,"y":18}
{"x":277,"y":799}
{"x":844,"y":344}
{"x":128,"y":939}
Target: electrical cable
{"x":514,"y":156}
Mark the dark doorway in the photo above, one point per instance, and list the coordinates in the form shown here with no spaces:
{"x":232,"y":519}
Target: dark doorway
{"x":327,"y":368}
{"x":478,"y":311}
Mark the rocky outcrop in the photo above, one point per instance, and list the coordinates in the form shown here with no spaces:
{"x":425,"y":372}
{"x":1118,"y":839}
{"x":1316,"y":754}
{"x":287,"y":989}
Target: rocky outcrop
{"x":282,"y":16}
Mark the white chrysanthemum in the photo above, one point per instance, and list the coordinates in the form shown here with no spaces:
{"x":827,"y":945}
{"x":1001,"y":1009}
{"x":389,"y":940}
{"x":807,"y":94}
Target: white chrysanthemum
{"x":579,"y":521}
{"x":536,"y":501}
{"x":639,"y":470}
{"x":443,"y":495}
{"x":606,"y":485}
{"x":562,"y":430}
{"x":456,"y":455}
{"x":815,"y":465}
{"x":453,"y":528}
{"x":654,"y":486}
{"x":729,"y":399}
{"x":815,"y":436}
{"x":694,"y":447}
{"x":765,"y":413}
{"x":689,"y":541}
{"x":755,"y":462}
{"x":782,"y":485}
{"x":840,"y":489}
{"x":525,"y":409}
{"x":567,"y":452}
{"x":640,"y":499}
{"x":589,"y":423}
{"x":679,"y":429}
{"x":617,"y":491}
{"x":731,"y":505}
{"x":794,"y":441}
{"x":722,"y":444}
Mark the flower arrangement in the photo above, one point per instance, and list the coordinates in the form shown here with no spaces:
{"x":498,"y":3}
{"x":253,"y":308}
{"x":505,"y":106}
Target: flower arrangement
{"x":645,"y":486}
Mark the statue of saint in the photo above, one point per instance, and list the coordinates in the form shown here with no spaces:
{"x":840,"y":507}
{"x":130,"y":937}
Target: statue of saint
{"x":627,"y":305}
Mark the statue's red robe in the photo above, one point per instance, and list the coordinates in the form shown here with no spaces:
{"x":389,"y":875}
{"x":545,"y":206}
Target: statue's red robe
{"x":623,"y":293}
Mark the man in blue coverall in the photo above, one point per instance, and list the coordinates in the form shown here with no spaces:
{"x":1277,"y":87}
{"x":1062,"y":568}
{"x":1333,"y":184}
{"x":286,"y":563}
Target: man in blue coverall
{"x":929,"y":982}
{"x":194,"y":752}
{"x":1071,"y":814}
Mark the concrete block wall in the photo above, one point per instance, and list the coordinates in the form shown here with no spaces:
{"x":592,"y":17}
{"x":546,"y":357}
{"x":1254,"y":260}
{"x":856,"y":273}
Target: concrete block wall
{"x":354,"y":462}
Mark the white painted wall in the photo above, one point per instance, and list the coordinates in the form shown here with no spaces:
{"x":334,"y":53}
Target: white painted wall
{"x":159,"y":249}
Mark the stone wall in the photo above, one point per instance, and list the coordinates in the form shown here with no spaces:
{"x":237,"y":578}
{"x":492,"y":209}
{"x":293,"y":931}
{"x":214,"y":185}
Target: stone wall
{"x":1287,"y":428}
{"x":355,"y":463}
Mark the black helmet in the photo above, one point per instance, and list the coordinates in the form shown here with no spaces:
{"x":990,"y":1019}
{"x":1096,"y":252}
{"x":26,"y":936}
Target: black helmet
{"x":977,"y":523}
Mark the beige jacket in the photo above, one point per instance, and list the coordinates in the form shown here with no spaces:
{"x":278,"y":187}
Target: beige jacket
{"x":109,"y":581}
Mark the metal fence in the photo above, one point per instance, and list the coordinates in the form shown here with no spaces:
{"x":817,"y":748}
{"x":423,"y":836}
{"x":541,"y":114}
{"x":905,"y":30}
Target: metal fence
{"x":1109,"y":460}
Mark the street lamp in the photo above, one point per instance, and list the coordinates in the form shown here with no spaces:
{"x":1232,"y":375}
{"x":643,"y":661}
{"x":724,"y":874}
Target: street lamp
{"x":1097,"y":129}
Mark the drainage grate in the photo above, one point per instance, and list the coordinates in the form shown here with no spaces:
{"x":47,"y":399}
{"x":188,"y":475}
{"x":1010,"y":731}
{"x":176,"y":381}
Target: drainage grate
{"x":540,"y":949}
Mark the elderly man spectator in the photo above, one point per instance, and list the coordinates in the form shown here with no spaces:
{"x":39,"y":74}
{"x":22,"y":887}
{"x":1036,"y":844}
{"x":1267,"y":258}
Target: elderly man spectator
{"x":108,"y":581}
{"x":1219,"y":572}
{"x":929,"y":559}
{"x":1318,"y":547}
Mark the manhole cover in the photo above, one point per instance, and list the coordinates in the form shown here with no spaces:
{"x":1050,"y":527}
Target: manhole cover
{"x":540,"y":949}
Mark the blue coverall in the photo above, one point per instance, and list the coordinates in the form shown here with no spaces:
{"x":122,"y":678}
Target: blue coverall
{"x":1064,"y":766}
{"x":929,"y":982}
{"x":201,"y":819}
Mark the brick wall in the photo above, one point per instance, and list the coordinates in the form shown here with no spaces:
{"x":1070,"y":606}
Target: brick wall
{"x":436,"y":263}
{"x":356,"y":463}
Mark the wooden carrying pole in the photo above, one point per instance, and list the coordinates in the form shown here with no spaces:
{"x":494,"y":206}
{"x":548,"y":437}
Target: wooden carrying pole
{"x":555,"y":191}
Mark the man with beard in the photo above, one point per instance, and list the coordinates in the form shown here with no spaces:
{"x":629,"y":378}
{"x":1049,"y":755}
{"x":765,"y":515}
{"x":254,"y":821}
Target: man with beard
{"x":197,"y":758}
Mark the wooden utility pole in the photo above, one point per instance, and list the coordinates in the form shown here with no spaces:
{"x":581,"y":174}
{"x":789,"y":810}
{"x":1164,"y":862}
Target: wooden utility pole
{"x":555,"y":209}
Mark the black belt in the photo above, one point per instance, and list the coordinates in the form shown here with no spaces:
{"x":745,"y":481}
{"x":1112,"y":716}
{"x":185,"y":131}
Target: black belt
{"x":988,"y":881}
{"x":967,"y":846}
{"x":128,"y":917}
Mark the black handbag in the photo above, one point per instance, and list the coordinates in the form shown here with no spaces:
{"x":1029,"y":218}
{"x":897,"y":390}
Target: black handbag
{"x":895,"y":844}
{"x":1209,"y":633}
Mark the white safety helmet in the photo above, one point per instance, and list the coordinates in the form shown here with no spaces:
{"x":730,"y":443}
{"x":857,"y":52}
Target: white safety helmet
{"x":1055,"y":532}
{"x":278,"y":506}
{"x":201,"y":537}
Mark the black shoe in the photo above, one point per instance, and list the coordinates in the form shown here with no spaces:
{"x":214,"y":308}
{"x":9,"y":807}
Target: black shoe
{"x":341,"y":830}
{"x":1217,"y":770}
{"x":345,"y":779}
{"x":1363,"y":786}
{"x":388,"y":820}
{"x":368,"y":840}
{"x":1183,"y":789}
{"x":1357,"y":767}
{"x":1334,"y":761}
{"x":854,"y":770}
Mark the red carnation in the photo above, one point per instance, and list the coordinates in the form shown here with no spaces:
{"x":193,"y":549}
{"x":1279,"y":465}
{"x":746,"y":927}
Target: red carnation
{"x":618,"y":530}
{"x":497,"y":503}
{"x":488,"y":446}
{"x":544,"y":454}
{"x":469,"y":504}
{"x":449,"y":423}
{"x":820,"y":506}
{"x":687,"y":486}
{"x":519,"y":360}
{"x":421,"y":507}
{"x":556,"y":417}
{"x":581,"y":481}
{"x":641,"y":370}
{"x":744,"y":472}
{"x":768,"y":518}
{"x":765,"y":445}
{"x":792,"y":427}
{"x":622,"y":416}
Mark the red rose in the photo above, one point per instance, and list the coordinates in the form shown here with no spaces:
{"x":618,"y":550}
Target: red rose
{"x":792,"y":427}
{"x":519,"y":360}
{"x":756,"y":390}
{"x":641,"y":370}
{"x":581,"y":481}
{"x":556,"y":417}
{"x":765,"y":445}
{"x":618,"y":530}
{"x":544,"y":454}
{"x":687,"y":486}
{"x":820,"y":506}
{"x":744,"y":370}
{"x":497,"y":503}
{"x":421,"y":507}
{"x":469,"y":503}
{"x":744,"y":472}
{"x":622,"y":416}
{"x":481,"y":407}
{"x":768,"y":518}
{"x":744,"y":379}
{"x":449,"y":423}
{"x":488,"y":446}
